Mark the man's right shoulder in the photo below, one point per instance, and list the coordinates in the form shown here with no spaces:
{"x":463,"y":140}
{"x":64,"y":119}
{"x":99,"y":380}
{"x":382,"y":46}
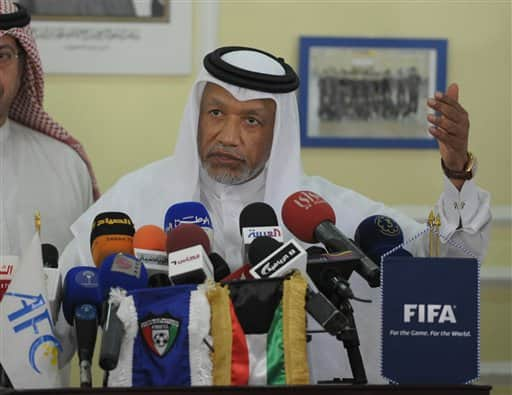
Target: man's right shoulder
{"x":148,"y":174}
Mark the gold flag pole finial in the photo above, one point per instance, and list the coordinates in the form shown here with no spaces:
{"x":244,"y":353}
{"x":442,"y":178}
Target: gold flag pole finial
{"x":437,"y":225}
{"x":431,"y":235}
{"x":37,"y":222}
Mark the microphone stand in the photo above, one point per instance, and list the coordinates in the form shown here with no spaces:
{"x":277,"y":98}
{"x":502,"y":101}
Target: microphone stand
{"x":350,"y":339}
{"x":347,"y":331}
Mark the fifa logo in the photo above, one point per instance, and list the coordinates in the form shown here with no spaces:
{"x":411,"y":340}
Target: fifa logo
{"x":429,"y":313}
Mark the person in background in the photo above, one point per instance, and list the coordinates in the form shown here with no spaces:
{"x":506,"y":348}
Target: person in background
{"x":43,"y":169}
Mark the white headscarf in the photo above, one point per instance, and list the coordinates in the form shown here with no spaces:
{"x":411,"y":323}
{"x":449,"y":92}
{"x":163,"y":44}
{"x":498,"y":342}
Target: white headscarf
{"x":147,"y":193}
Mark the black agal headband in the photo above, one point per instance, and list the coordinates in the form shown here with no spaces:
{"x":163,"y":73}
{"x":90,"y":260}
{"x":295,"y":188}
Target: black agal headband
{"x":251,"y":68}
{"x":20,"y":18}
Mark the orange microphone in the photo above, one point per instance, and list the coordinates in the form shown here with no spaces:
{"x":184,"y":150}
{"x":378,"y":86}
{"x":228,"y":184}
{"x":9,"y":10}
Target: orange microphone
{"x":112,"y":232}
{"x":149,"y":245}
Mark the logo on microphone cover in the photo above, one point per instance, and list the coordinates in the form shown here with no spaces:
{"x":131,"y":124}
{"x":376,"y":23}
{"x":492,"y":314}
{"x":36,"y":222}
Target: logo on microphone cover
{"x":160,"y":332}
{"x":277,"y":261}
{"x":387,"y":226}
{"x":186,"y":259}
{"x":307,"y":199}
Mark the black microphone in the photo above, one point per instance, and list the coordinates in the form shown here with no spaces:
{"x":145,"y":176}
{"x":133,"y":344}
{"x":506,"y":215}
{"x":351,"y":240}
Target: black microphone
{"x":256,"y":220}
{"x":52,"y":277}
{"x":311,"y":219}
{"x":268,"y":259}
{"x":220,"y":266}
{"x":330,"y":273}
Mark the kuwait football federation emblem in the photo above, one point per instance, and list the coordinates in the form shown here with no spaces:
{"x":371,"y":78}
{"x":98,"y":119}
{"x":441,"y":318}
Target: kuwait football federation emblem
{"x":160,"y":332}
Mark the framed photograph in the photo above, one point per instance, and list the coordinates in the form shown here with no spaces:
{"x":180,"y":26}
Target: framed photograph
{"x":369,"y":92}
{"x":113,"y":36}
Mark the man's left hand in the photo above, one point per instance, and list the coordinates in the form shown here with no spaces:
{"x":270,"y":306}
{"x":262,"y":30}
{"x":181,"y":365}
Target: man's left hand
{"x":450,"y":128}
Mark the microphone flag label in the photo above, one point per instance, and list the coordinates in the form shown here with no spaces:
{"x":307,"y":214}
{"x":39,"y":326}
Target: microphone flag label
{"x":29,"y":350}
{"x":430,"y":320}
{"x":7,"y":266}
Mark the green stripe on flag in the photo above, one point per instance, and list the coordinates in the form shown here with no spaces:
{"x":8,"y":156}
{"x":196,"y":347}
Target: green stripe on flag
{"x":276,"y":373}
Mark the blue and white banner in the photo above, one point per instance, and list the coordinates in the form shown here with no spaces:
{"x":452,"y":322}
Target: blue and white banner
{"x":29,"y":350}
{"x":430,"y":320}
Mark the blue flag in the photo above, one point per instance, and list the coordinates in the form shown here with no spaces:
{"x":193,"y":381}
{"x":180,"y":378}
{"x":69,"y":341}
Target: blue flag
{"x":430,"y":312}
{"x":165,"y":341}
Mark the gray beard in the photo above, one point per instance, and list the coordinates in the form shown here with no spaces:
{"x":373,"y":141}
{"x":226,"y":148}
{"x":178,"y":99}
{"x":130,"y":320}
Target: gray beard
{"x":228,"y":178}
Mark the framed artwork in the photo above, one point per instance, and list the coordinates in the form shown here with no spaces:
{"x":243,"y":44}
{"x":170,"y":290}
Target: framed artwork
{"x":113,"y":36}
{"x":369,"y":92}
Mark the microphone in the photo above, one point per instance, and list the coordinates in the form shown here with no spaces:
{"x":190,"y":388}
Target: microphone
{"x":377,"y":235}
{"x":220,"y":266}
{"x":279,"y":259}
{"x":50,"y":255}
{"x":188,"y":247}
{"x":52,"y":278}
{"x":149,"y":246}
{"x":82,"y":306}
{"x":189,"y":213}
{"x":256,"y":220}
{"x":311,"y":219}
{"x":123,"y":272}
{"x":270,"y":258}
{"x":111,"y":232}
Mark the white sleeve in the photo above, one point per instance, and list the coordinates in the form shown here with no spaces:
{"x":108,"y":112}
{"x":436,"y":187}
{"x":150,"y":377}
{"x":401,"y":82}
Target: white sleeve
{"x":465,"y":219}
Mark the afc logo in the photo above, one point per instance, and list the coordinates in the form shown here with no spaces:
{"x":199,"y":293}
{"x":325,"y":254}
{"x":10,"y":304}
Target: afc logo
{"x":429,"y":313}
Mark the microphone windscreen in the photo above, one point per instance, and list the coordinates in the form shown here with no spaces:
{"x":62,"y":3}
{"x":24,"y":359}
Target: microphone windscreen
{"x":111,"y":223}
{"x":261,"y":247}
{"x":111,"y":232}
{"x":303,"y":211}
{"x":220,"y":266}
{"x":106,"y":245}
{"x":150,"y":237}
{"x":257,"y":214}
{"x":80,"y":287}
{"x":187,"y":213}
{"x":122,"y":271}
{"x":185,"y":236}
{"x":50,"y":256}
{"x":378,"y":230}
{"x":377,"y":235}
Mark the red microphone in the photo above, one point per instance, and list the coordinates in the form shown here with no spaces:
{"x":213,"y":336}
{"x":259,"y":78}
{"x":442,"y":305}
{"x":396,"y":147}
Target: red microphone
{"x":311,"y":219}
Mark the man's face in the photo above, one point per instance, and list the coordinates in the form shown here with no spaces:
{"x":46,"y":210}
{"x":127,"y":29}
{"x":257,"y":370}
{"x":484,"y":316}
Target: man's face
{"x":234,"y":137}
{"x":10,"y":74}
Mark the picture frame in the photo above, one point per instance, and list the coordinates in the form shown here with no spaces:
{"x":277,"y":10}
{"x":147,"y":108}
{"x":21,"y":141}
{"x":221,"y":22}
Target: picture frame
{"x":369,"y":92}
{"x":113,"y":37}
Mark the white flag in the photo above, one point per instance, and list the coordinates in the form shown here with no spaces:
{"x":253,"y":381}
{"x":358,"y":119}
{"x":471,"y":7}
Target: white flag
{"x":29,"y":350}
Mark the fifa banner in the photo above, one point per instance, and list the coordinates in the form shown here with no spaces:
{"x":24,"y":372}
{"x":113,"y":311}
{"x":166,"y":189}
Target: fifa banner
{"x":29,"y":350}
{"x":430,"y":314}
{"x":214,"y":334}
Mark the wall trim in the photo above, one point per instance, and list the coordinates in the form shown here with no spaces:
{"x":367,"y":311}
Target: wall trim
{"x":496,"y":372}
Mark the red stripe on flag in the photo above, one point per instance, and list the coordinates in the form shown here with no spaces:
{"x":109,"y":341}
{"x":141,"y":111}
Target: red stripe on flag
{"x":239,"y":352}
